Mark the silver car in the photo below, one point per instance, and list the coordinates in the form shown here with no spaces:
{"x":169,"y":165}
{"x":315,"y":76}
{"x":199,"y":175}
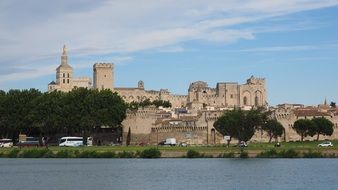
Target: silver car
{"x":325,"y":144}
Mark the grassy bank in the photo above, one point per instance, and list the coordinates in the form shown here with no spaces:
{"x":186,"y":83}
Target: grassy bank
{"x":261,"y":150}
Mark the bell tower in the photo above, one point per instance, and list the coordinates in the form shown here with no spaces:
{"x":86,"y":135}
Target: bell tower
{"x":64,"y":73}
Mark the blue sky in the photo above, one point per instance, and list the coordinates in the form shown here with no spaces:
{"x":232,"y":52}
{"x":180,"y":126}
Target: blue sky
{"x":169,"y":44}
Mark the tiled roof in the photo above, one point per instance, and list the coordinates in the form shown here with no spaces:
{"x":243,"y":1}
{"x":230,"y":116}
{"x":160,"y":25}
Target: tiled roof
{"x":309,"y":113}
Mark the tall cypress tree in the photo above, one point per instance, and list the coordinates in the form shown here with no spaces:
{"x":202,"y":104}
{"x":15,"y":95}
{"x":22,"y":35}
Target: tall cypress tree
{"x":128,"y":137}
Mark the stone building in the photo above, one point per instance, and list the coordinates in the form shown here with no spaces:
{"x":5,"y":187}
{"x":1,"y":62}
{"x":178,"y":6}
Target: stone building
{"x":203,"y":104}
{"x":64,"y":77}
{"x":229,"y":94}
{"x":103,"y":76}
{"x":287,"y":114}
{"x":226,"y":94}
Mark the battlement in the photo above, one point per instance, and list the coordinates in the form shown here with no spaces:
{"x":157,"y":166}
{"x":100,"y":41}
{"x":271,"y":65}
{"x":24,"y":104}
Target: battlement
{"x":179,"y":96}
{"x":254,"y":80}
{"x":103,"y":65}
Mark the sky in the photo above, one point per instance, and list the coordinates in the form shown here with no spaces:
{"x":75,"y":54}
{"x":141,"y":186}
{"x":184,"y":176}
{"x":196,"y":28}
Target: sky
{"x":169,"y":44}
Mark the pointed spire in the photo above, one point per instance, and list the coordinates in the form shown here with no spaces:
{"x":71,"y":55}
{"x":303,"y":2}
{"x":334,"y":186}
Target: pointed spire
{"x":64,"y":57}
{"x":64,"y":50}
{"x":325,"y":103}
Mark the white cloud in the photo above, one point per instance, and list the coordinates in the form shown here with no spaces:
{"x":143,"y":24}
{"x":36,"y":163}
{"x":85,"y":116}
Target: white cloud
{"x":36,"y":30}
{"x":289,"y":48}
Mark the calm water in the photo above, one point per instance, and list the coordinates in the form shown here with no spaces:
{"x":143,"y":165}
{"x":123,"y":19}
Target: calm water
{"x":196,"y":174}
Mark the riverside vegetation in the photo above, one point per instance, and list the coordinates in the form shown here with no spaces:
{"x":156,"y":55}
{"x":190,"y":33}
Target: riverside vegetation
{"x":307,"y":149}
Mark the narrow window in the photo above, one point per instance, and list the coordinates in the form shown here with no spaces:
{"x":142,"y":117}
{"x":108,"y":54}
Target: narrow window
{"x":256,"y":101}
{"x":64,"y":81}
{"x":64,"y":75}
{"x":68,"y":75}
{"x":68,"y":81}
{"x":245,"y":100}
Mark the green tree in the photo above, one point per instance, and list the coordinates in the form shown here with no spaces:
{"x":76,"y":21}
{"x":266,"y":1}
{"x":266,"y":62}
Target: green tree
{"x":49,"y":113}
{"x":87,"y":109}
{"x":158,"y":103}
{"x":128,"y":137}
{"x":135,"y":105}
{"x":274,"y":129}
{"x":145,"y":103}
{"x":323,"y":126}
{"x":240,"y":124}
{"x":18,"y":113}
{"x":304,"y":127}
{"x":3,"y":129}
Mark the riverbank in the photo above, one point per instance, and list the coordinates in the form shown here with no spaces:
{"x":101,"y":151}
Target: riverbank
{"x":167,"y":152}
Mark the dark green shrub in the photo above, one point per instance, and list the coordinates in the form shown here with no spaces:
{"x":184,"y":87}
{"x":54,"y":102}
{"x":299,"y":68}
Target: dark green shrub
{"x":87,"y":154}
{"x":33,"y":153}
{"x":311,"y":154}
{"x":13,"y":153}
{"x":268,"y":154}
{"x":150,"y":153}
{"x":193,"y":154}
{"x":106,"y":154}
{"x":291,"y":153}
{"x":126,"y":154}
{"x":333,"y":155}
{"x":228,"y":155}
{"x":49,"y":154}
{"x":65,"y":154}
{"x":244,"y":155}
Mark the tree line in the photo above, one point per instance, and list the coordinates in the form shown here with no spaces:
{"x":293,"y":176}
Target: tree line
{"x":78,"y":111}
{"x":147,"y":102}
{"x":242,"y":125}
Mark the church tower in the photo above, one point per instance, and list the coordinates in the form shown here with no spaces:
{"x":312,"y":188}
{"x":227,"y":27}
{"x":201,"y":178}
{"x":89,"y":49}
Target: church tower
{"x":103,"y":76}
{"x":64,"y":73}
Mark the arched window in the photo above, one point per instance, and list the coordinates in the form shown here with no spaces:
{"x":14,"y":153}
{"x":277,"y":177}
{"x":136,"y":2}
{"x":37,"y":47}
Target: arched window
{"x":64,"y":75}
{"x":245,"y":100}
{"x":68,"y":75}
{"x":68,"y":81}
{"x":256,"y":101}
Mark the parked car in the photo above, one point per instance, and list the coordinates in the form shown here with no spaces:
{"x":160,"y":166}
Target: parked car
{"x":242,"y":144}
{"x":277,"y":144}
{"x":6,"y":143}
{"x":183,"y":144}
{"x":161,"y":143}
{"x":29,"y":142}
{"x":325,"y":144}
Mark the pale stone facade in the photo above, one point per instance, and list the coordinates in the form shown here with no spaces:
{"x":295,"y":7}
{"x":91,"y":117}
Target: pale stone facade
{"x":287,"y":114}
{"x":225,"y":95}
{"x":204,"y":104}
{"x":64,"y":77}
{"x":229,"y":94}
{"x":147,"y":127}
{"x":103,"y":76}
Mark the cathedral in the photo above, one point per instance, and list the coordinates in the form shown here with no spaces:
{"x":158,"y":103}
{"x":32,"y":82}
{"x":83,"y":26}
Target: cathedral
{"x":225,"y":95}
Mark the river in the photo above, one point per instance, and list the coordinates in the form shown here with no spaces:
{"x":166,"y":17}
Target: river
{"x":158,"y":174}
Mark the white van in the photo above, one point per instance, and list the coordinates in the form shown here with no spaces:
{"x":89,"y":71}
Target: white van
{"x":6,"y":143}
{"x":75,"y":141}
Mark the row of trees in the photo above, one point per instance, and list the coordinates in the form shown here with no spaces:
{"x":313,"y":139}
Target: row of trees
{"x":242,"y":125}
{"x":78,"y":111}
{"x":157,"y":103}
{"x":316,"y":126}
